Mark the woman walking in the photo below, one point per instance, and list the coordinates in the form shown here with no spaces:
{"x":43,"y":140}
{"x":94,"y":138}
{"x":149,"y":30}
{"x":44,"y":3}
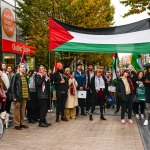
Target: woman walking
{"x":125,"y":90}
{"x":99,"y":90}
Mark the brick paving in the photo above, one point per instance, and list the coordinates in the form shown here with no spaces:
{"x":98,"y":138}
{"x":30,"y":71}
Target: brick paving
{"x":77,"y":134}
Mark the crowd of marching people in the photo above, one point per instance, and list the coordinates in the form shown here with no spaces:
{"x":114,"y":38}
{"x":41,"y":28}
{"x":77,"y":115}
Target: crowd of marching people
{"x":32,"y":94}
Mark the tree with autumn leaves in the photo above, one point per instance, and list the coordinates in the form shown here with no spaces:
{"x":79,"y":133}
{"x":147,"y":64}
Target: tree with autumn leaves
{"x":136,"y":6}
{"x":34,"y":16}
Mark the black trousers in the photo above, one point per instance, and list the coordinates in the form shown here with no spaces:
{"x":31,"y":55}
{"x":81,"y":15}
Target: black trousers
{"x":82,"y":104}
{"x":43,"y":110}
{"x":142,"y":107}
{"x":61,"y":102}
{"x":8,"y":105}
{"x":127,"y":105}
{"x":117,"y":104}
{"x":88,"y":100}
{"x":32,"y":107}
{"x":101,"y":104}
{"x":50,"y":100}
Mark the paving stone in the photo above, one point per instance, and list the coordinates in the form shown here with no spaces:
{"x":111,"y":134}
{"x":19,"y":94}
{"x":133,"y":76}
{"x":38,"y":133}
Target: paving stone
{"x":77,"y":134}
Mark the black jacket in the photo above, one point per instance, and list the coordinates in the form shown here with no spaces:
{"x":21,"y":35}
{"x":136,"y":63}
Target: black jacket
{"x":94,"y":92}
{"x":121,"y":88}
{"x":58,"y":85}
{"x":39,"y":82}
{"x":17,"y":87}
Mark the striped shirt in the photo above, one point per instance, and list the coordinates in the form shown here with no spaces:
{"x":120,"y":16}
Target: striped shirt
{"x":25,"y":92}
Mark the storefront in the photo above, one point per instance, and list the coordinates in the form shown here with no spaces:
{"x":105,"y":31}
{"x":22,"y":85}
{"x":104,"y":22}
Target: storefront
{"x":13,"y":44}
{"x":11,"y":50}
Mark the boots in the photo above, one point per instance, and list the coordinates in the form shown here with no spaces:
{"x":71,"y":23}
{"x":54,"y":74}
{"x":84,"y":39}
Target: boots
{"x":57,"y":118}
{"x":64,"y":118}
{"x":102,"y":118}
{"x":90,"y":118}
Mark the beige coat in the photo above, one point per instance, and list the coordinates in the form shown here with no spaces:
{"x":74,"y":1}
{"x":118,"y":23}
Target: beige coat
{"x":72,"y":101}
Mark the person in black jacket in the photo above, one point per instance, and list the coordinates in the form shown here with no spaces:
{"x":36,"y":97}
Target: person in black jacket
{"x":61,"y":85}
{"x":89,"y":74}
{"x":139,"y":83}
{"x":20,"y":96}
{"x":99,"y":89}
{"x":125,"y":90}
{"x":42,"y":82}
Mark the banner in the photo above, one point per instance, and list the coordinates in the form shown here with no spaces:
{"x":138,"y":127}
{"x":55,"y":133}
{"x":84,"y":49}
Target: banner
{"x":130,"y":38}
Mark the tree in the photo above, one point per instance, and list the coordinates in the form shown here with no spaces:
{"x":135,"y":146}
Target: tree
{"x":34,"y":17}
{"x":137,"y":6}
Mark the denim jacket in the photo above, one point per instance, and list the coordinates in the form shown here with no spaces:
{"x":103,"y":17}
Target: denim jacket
{"x":80,"y":78}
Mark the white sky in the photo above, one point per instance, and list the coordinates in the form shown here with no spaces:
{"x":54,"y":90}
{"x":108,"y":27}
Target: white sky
{"x":120,"y":10}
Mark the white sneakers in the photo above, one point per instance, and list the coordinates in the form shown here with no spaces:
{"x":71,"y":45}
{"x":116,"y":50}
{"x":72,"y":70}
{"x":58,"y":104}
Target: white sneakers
{"x":145,"y":123}
{"x":137,"y":116}
{"x":123,"y":121}
{"x":130,"y":121}
{"x":142,"y":116}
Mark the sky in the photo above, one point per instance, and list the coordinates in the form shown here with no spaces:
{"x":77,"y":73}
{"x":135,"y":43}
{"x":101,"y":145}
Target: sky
{"x":120,"y":10}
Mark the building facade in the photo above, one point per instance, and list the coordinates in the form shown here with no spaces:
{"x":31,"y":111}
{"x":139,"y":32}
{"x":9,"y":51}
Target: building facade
{"x":13,"y":45}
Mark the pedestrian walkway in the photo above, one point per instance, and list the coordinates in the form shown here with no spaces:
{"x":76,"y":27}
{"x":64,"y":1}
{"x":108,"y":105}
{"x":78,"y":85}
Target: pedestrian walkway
{"x":78,"y":134}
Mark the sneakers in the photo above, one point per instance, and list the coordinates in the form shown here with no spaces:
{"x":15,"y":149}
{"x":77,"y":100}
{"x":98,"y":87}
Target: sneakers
{"x":123,"y":121}
{"x":142,"y":116}
{"x":145,"y":123}
{"x":130,"y":121}
{"x":137,"y":116}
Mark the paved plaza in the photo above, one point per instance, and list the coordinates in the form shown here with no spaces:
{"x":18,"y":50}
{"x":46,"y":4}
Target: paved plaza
{"x":77,"y":134}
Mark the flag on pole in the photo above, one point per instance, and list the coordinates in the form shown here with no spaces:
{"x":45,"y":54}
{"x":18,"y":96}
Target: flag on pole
{"x":137,"y":62}
{"x":55,"y":66}
{"x":115,"y":64}
{"x":24,"y":60}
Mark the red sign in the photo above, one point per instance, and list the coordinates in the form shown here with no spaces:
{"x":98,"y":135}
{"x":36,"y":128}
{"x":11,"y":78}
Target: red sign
{"x":8,"y":22}
{"x":16,"y":47}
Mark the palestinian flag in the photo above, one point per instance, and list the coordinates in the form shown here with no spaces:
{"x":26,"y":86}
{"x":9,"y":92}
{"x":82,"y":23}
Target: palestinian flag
{"x":137,"y":62}
{"x":115,"y":64}
{"x":131,"y":38}
{"x":55,"y":66}
{"x":24,"y":61}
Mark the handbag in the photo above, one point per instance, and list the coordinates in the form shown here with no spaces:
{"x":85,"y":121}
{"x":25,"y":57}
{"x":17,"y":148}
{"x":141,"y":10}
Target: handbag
{"x":140,"y":93}
{"x":82,"y":94}
{"x":112,"y":88}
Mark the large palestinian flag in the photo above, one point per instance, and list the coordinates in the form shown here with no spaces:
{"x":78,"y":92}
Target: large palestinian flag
{"x":131,"y":38}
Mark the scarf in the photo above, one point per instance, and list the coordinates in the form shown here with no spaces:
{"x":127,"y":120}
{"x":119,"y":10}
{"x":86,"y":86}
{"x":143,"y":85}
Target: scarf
{"x":99,"y":83}
{"x":46,"y":79}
